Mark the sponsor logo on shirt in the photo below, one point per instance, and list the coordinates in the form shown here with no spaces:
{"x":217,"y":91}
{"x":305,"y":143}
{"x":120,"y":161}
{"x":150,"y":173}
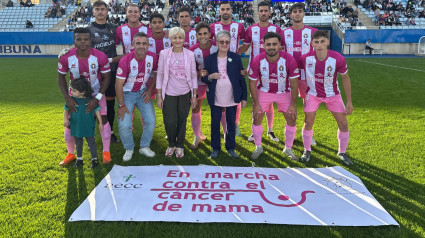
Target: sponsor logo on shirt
{"x":119,"y":71}
{"x":59,"y":65}
{"x":288,"y":36}
{"x":310,"y":65}
{"x":250,"y":71}
{"x":105,"y":37}
{"x":73,"y":66}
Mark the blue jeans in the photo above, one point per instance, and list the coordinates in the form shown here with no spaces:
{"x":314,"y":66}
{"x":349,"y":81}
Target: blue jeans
{"x":132,"y":100}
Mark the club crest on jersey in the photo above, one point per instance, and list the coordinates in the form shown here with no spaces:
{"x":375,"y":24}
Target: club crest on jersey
{"x":192,"y":37}
{"x":329,"y":68}
{"x":148,"y":64}
{"x":119,"y":71}
{"x":93,"y":66}
{"x":281,"y":68}
{"x":305,"y":35}
{"x":167,"y":44}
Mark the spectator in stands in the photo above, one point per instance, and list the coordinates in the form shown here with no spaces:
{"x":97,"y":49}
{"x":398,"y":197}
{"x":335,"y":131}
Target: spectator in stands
{"x":368,"y":46}
{"x":9,"y":3}
{"x":412,"y":21}
{"x":28,"y":3}
{"x":407,"y":21}
{"x":29,"y":24}
{"x":422,"y":14}
{"x":21,"y":3}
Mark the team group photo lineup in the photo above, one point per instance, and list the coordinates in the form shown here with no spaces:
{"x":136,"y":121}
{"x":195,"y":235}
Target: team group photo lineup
{"x":174,"y":69}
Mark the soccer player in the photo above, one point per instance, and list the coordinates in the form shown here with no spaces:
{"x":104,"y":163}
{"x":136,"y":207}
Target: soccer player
{"x":133,"y":73}
{"x":157,"y":39}
{"x":237,"y":32}
{"x":254,"y":37}
{"x":126,"y":32}
{"x":273,"y":78}
{"x":102,"y":38}
{"x":297,"y":41}
{"x":183,"y":17}
{"x":321,"y":69}
{"x":93,"y":65}
{"x":204,"y":48}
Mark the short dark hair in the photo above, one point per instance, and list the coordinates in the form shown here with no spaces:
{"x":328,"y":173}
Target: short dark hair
{"x":99,"y":3}
{"x":140,"y":34}
{"x":82,"y":85}
{"x":202,"y":25}
{"x":298,"y":5}
{"x":132,"y":5}
{"x":264,"y":3}
{"x":319,"y":34}
{"x":224,"y":2}
{"x":183,"y":9}
{"x":271,"y":34}
{"x":156,"y":15}
{"x":81,"y":30}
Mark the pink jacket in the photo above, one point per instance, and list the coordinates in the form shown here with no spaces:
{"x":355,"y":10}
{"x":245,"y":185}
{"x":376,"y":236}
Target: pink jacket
{"x":164,"y":67}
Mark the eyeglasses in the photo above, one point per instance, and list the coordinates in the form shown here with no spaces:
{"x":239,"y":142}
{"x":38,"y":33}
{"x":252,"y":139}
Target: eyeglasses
{"x":222,"y":42}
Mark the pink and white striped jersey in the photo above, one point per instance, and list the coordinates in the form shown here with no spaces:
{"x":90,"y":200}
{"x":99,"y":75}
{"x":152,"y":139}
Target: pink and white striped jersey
{"x":254,"y":36}
{"x":298,"y":42}
{"x":321,"y":76}
{"x":156,"y":45}
{"x":91,"y":68}
{"x":201,"y":54}
{"x":136,"y":73}
{"x":274,"y":77}
{"x":237,"y":32}
{"x":189,"y":38}
{"x":124,"y":35}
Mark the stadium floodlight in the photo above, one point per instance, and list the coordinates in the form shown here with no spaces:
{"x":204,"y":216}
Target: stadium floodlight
{"x":421,"y":45}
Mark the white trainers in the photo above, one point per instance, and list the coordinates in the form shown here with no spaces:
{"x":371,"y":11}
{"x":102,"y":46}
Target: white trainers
{"x":179,"y":152}
{"x":290,"y":154}
{"x":257,"y":152}
{"x":251,"y":138}
{"x":127,"y":156}
{"x":196,"y":143}
{"x":313,"y":141}
{"x":272,"y":136}
{"x":146,"y":151}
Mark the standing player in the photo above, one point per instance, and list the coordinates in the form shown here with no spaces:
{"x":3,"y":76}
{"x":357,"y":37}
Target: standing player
{"x":157,"y":39}
{"x":93,"y":65}
{"x":321,"y":69}
{"x":273,"y":78}
{"x":204,"y":48}
{"x":297,"y":41}
{"x":133,"y":73}
{"x":237,"y":32}
{"x":126,"y":32}
{"x":254,"y":37}
{"x":183,"y":17}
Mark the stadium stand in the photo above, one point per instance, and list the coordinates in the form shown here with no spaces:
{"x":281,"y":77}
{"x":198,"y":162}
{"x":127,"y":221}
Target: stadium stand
{"x":13,"y":19}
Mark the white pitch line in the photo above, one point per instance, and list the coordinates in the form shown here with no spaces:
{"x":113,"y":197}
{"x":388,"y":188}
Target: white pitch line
{"x":392,"y":66}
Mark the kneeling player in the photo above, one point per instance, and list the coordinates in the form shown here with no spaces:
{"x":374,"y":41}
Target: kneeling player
{"x":321,"y":69}
{"x":277,"y":75}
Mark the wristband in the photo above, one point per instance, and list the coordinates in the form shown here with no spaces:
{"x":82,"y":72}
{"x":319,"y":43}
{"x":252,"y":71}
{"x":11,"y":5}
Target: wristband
{"x":99,"y":96}
{"x":121,"y":106}
{"x":110,"y":60}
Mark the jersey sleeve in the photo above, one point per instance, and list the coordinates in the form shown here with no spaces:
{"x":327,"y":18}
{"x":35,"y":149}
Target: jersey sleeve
{"x":248,"y":39}
{"x":292,"y":67}
{"x":104,"y":65}
{"x":254,"y":69}
{"x":117,"y":36}
{"x":242,"y":31}
{"x":122,"y":71}
{"x":63,"y":65}
{"x":341,"y":65}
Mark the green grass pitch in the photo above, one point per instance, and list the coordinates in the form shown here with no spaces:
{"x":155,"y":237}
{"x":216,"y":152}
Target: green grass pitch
{"x":386,"y":144}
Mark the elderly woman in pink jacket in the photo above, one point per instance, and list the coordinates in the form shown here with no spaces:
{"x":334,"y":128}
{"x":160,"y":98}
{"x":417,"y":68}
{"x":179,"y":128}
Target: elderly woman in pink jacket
{"x":177,"y":86}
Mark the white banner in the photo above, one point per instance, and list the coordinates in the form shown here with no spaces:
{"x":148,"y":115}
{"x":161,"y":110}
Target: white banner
{"x":324,"y":196}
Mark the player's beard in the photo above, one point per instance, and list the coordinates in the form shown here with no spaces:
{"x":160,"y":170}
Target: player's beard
{"x":226,"y":17}
{"x":272,"y":55}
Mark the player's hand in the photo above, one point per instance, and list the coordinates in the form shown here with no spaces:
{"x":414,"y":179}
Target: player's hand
{"x":121,"y":112}
{"x":243,"y":103}
{"x":349,"y":108}
{"x":100,"y":126}
{"x":215,"y":76}
{"x":66,"y":123}
{"x":256,"y":109}
{"x":193,"y":102}
{"x":91,"y":105}
{"x":159,"y":102}
{"x":202,"y":73}
{"x":63,"y":52}
{"x":147,"y":96}
{"x":244,"y":72}
{"x":71,"y":104}
{"x":292,"y":110}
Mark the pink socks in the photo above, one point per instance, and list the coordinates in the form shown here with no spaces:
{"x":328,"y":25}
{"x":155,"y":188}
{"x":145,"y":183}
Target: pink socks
{"x":196,"y":124}
{"x":307,"y":136}
{"x":289,"y":135}
{"x":106,"y":136}
{"x":342,"y":140}
{"x":70,"y":143}
{"x":257,"y":131}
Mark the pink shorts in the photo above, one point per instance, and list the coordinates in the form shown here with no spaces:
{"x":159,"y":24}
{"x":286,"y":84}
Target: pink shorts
{"x":302,"y":88}
{"x":283,"y":100}
{"x":102,"y":104}
{"x":202,"y":91}
{"x":334,"y":103}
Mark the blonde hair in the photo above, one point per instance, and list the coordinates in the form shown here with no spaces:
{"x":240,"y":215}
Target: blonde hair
{"x":175,"y":31}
